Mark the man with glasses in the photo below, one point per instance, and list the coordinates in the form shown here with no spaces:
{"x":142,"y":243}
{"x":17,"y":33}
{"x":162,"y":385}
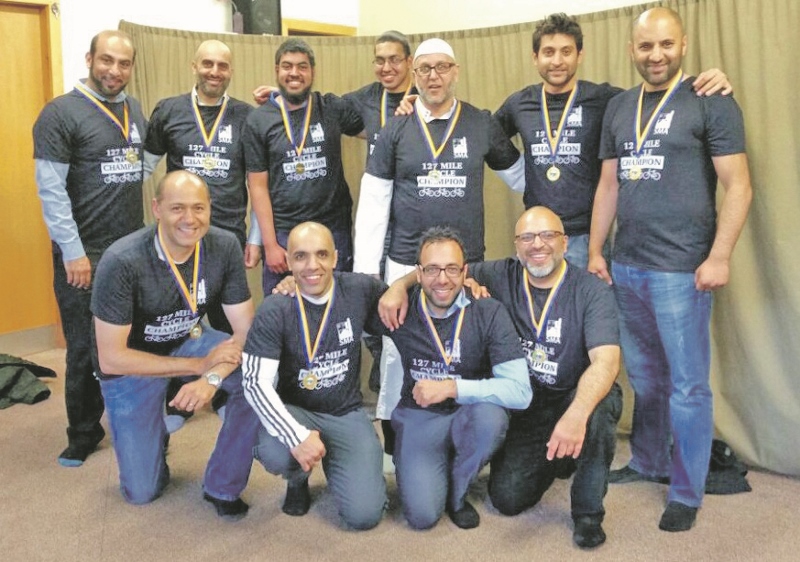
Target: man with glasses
{"x":294,"y":161}
{"x":462,"y":367}
{"x":427,"y":169}
{"x":566,"y":322}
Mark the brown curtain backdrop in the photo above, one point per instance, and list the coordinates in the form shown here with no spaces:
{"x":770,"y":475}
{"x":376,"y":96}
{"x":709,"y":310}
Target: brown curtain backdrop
{"x":755,"y":358}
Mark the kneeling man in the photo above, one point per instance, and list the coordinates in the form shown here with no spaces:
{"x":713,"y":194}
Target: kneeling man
{"x":151,"y":289}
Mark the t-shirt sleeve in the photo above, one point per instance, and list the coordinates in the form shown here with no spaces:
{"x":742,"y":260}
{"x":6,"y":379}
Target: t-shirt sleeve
{"x":608,"y":149}
{"x":52,"y":139}
{"x":155,"y":143}
{"x":502,"y":152}
{"x":503,"y":339}
{"x":113,"y":290}
{"x":505,"y":116}
{"x":254,"y":140}
{"x":374,"y":289}
{"x":235,"y":289}
{"x":600,"y":316}
{"x":724,"y":125}
{"x":265,"y":338}
{"x":382,"y":162}
{"x":349,"y":119}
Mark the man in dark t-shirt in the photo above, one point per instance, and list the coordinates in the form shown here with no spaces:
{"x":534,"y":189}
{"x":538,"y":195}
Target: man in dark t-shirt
{"x":88,"y":156}
{"x":152,"y":288}
{"x":663,"y":150}
{"x":301,"y":376}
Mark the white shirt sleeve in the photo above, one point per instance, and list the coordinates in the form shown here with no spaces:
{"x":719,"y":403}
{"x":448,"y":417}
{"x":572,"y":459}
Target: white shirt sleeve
{"x":514,"y":177}
{"x":259,"y":378}
{"x":372,"y":220}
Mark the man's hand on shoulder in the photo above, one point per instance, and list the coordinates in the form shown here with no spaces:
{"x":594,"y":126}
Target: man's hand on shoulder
{"x":262,"y":93}
{"x":406,"y":106}
{"x":393,"y":306}
{"x":478,"y":291}
{"x":79,"y":272}
{"x":427,"y":393}
{"x":310,"y":452}
{"x":286,"y":286}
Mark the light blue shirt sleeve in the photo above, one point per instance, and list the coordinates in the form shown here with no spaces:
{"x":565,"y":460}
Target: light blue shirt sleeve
{"x":51,"y":182}
{"x":255,"y":231}
{"x":150,"y":163}
{"x":510,"y":387}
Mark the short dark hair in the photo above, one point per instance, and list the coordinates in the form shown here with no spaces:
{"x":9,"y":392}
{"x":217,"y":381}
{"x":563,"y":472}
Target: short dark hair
{"x":393,"y":36}
{"x":440,"y":234}
{"x":295,"y":45}
{"x":557,"y":23}
{"x":111,"y":33}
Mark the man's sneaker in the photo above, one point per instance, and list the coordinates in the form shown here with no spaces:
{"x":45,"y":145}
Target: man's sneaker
{"x":466,"y":517}
{"x":627,"y":475}
{"x":298,"y":499}
{"x":230,"y":510}
{"x":677,"y":517}
{"x":588,"y":533}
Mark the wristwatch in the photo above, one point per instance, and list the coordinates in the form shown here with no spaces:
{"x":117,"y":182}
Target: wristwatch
{"x":213,"y":379}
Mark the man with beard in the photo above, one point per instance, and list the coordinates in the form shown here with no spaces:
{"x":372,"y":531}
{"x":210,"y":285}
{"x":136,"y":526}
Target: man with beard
{"x":664,"y":149}
{"x":566,"y":321}
{"x":559,"y":122}
{"x":88,"y":155}
{"x":294,"y":163}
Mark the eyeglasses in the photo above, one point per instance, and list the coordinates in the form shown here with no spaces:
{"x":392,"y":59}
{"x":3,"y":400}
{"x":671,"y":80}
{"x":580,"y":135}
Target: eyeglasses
{"x":394,"y":61}
{"x":546,"y":236}
{"x":433,"y":271}
{"x":441,"y":68}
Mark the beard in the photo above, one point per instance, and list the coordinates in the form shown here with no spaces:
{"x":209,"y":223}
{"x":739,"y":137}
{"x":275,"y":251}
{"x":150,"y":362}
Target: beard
{"x":541,"y":270}
{"x":294,"y":99}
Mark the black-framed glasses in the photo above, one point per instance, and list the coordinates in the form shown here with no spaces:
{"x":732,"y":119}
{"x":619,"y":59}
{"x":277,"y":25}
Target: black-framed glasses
{"x":394,"y":61}
{"x":433,"y":271}
{"x":546,"y":236}
{"x":441,"y":68}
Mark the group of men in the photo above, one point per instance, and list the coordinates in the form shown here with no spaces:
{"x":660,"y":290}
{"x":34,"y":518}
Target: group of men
{"x":523,"y":381}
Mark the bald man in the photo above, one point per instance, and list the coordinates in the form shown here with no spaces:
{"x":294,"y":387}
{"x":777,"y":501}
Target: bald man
{"x":88,"y":154}
{"x":152,"y":288}
{"x":566,"y":322}
{"x":301,"y":376}
{"x":663,"y":151}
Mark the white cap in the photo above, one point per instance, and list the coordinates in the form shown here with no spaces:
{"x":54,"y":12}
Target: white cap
{"x":434,"y":46}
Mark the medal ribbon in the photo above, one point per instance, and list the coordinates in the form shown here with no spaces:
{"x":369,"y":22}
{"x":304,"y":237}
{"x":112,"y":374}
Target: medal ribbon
{"x":189,"y":297}
{"x":385,"y":104}
{"x":124,"y":127}
{"x":641,"y":136}
{"x":208,"y":137}
{"x":539,"y":326}
{"x":451,"y":126}
{"x":554,"y":139}
{"x":423,"y":303}
{"x":311,"y":351}
{"x":288,"y":126}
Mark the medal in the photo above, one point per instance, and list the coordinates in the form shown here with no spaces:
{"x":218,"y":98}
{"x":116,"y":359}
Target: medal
{"x":634,"y":172}
{"x":539,"y":356}
{"x":209,"y":161}
{"x":446,"y":357}
{"x":310,"y":381}
{"x":123,"y":126}
{"x":196,"y":332}
{"x":554,"y":138}
{"x":298,"y":148}
{"x":131,"y":156}
{"x":299,"y":168}
{"x":436,"y":151}
{"x":539,"y":325}
{"x":189,"y":297}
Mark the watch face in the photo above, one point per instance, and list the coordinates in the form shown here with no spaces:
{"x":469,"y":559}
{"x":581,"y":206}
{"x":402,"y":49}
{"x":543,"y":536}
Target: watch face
{"x":213,"y":379}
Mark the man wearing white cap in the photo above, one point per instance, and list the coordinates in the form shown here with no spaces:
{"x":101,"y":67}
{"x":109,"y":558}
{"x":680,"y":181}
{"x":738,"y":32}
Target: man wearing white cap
{"x":427,"y":170}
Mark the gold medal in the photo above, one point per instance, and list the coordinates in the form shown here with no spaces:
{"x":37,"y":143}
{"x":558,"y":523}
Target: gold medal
{"x":195,"y":332}
{"x":299,"y":168}
{"x":310,"y":381}
{"x":209,"y":162}
{"x":553,"y":173}
{"x":539,"y":356}
{"x":635,"y":172}
{"x":131,"y":156}
{"x":435,"y":175}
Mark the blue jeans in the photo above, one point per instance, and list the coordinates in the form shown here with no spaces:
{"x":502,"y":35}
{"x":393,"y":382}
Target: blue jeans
{"x":577,"y":253}
{"x":353,"y":462}
{"x":521,"y":473}
{"x":342,"y":241}
{"x":135,"y":409}
{"x":664,"y":332}
{"x":438,"y":455}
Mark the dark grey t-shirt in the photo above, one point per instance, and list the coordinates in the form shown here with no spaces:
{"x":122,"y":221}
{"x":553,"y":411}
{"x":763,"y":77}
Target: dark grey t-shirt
{"x":453,"y":197}
{"x":134,"y":286}
{"x":667,"y":219}
{"x":174,"y":131}
{"x":104,"y":187}
{"x":277,"y":334}
{"x":582,"y":316}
